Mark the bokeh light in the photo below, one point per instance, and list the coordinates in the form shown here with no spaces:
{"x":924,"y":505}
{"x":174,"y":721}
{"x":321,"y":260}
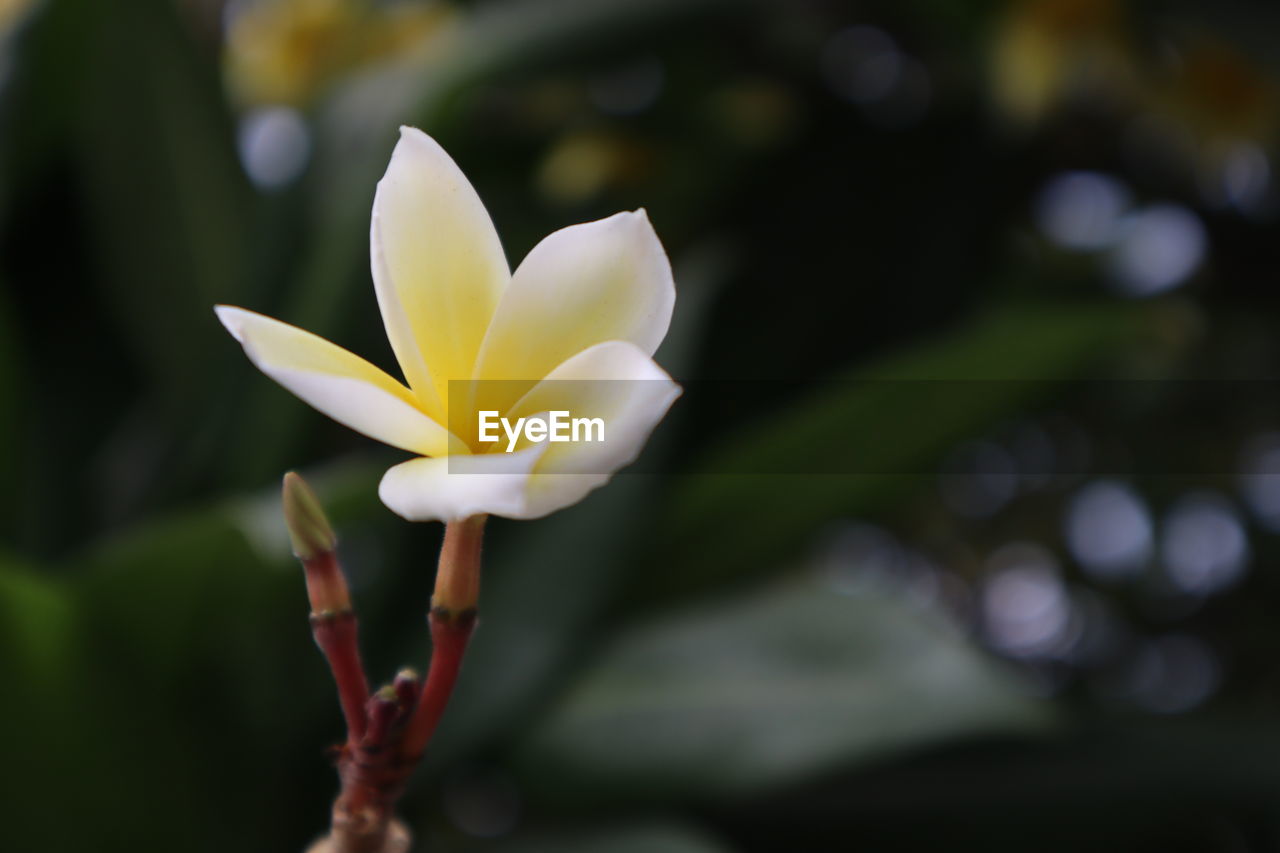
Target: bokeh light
{"x":865,"y":66}
{"x":1082,"y":210}
{"x":274,"y":144}
{"x":1026,"y":608}
{"x":1159,"y":247}
{"x":1203,"y":545}
{"x":1109,"y":529}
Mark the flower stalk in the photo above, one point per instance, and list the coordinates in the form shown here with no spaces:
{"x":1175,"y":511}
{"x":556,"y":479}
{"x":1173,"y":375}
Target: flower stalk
{"x":454,"y":606}
{"x":388,"y":731}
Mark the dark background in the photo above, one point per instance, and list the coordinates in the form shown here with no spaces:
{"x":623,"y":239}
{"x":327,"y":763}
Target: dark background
{"x":1045,"y":620}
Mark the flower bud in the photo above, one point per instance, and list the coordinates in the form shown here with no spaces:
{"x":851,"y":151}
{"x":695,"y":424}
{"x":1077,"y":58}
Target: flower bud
{"x":406,"y":685}
{"x":309,"y":530}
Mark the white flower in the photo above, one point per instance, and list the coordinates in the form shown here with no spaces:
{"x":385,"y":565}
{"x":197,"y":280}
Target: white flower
{"x":590,"y":304}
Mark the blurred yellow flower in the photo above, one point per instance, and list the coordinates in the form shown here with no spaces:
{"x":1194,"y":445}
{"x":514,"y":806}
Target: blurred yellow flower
{"x":290,"y":51}
{"x":584,"y":163}
{"x":573,"y":329}
{"x":11,"y":12}
{"x":1048,"y":50}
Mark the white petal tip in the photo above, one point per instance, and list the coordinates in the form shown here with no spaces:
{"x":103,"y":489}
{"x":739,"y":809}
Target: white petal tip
{"x":639,"y":220}
{"x":410,"y":134}
{"x":232,"y":319}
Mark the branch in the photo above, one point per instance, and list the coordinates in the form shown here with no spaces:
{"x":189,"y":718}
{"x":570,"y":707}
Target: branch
{"x":388,"y":731}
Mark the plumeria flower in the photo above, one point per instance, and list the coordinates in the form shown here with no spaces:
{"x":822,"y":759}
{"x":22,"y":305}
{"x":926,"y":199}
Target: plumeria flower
{"x":573,"y":329}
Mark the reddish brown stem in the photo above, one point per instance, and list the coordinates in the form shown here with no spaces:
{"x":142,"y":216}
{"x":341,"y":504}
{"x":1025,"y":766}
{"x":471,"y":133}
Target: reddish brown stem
{"x":337,"y":635}
{"x":449,"y":635}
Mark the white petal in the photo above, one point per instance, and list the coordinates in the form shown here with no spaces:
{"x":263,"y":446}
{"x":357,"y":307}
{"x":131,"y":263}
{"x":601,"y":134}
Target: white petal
{"x":608,"y":280}
{"x":615,"y":381}
{"x":344,"y":386}
{"x":438,"y":267}
{"x":460,"y":486}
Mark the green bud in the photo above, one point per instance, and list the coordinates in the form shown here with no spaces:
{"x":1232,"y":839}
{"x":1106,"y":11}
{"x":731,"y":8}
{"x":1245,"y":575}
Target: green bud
{"x":309,"y":530}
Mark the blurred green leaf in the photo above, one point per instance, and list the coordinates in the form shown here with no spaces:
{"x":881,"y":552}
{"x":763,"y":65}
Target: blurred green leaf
{"x":39,"y":709}
{"x":169,"y":202}
{"x":741,"y":695}
{"x":1129,"y":784}
{"x":217,"y":586}
{"x":82,"y":707}
{"x":45,"y":61}
{"x":180,"y":620}
{"x":195,"y":644}
{"x":36,"y":619}
{"x":873,"y":419}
